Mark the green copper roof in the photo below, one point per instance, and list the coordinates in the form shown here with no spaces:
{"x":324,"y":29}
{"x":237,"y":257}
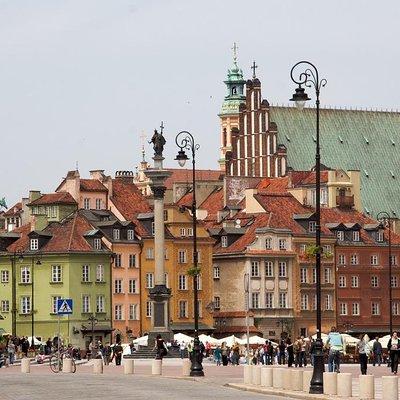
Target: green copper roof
{"x":235,"y":91}
{"x":368,"y":141}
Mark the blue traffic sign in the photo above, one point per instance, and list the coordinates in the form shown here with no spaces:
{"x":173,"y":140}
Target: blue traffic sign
{"x":64,"y":306}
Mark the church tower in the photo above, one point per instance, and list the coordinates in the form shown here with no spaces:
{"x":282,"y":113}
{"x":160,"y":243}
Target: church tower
{"x":229,"y":115}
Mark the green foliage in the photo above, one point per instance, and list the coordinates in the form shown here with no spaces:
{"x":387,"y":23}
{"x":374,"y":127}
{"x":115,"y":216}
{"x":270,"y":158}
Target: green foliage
{"x":312,"y":250}
{"x":192,"y":271}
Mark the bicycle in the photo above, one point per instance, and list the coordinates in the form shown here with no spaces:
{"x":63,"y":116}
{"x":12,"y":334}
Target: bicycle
{"x":56,"y":362}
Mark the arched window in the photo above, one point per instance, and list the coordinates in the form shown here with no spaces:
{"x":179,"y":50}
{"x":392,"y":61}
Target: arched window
{"x":234,"y":90}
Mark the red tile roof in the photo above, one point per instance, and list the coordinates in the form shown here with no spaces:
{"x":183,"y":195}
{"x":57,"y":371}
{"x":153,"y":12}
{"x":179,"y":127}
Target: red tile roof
{"x":276,"y":185}
{"x":185,"y":175}
{"x":212,"y":204}
{"x":186,"y":200}
{"x":92,"y":185}
{"x":16,"y":209}
{"x":299,"y":178}
{"x":54,"y":198}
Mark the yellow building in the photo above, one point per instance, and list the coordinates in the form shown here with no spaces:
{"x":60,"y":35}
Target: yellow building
{"x":178,"y":262}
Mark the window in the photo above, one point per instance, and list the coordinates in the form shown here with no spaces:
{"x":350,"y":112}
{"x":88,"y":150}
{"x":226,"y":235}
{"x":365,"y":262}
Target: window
{"x":282,"y":300}
{"x":395,"y":308}
{"x":375,"y":308}
{"x":224,"y":241}
{"x":303,"y":248}
{"x":312,"y":226}
{"x":314,"y":276}
{"x":25,"y":275}
{"x":342,"y":281}
{"x":304,"y":301}
{"x":198,"y":256}
{"x":5,"y":306}
{"x":269,"y":269}
{"x":183,"y":309}
{"x":85,"y":273}
{"x":341,"y":259}
{"x":182,"y":256}
{"x":54,"y":301}
{"x":153,"y":228}
{"x":150,"y":253}
{"x":132,"y":285}
{"x":216,"y":272}
{"x":355,"y":309}
{"x":343,"y":308}
{"x":149,"y":280}
{"x":118,"y":260}
{"x":355,"y":281}
{"x":303,"y":275}
{"x":380,"y":237}
{"x":354,"y":259}
{"x":25,"y":305}
{"x":393,"y":260}
{"x":97,"y":243}
{"x":269,"y":300}
{"x":327,"y":249}
{"x":217,"y":302}
{"x":86,"y":303}
{"x":148,"y":309}
{"x":165,"y":215}
{"x":34,"y":244}
{"x":356,"y":236}
{"x":394,"y":281}
{"x":268,"y":243}
{"x":282,"y":244}
{"x":328,"y":302}
{"x":282,"y":270}
{"x":327,"y":275}
{"x":182,"y":231}
{"x":340,"y":236}
{"x":190,"y":231}
{"x":314,"y":303}
{"x":100,"y":303}
{"x":118,"y":312}
{"x":56,"y":273}
{"x":5,"y":276}
{"x":255,"y":269}
{"x":98,"y":204}
{"x":133,"y":314}
{"x":374,"y":281}
{"x":99,"y":273}
{"x":199,"y":282}
{"x":374,"y":260}
{"x":166,"y":279}
{"x":199,"y":308}
{"x":182,"y":282}
{"x":130,"y":234}
{"x":116,"y":233}
{"x":118,"y":286}
{"x":132,"y":260}
{"x":255,"y":297}
{"x":86,"y":203}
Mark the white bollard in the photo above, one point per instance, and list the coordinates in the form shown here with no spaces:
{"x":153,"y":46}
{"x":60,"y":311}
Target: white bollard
{"x":256,"y":375}
{"x":247,"y":374}
{"x":156,"y":367}
{"x":186,"y":364}
{"x":67,"y":365}
{"x":25,"y":365}
{"x":129,"y":366}
{"x":307,"y":376}
{"x":277,"y":377}
{"x":266,"y":376}
{"x":390,"y":388}
{"x":344,"y":384}
{"x":97,"y":366}
{"x":297,"y":379}
{"x":286,"y":379}
{"x":367,"y":387}
{"x":330,"y":383}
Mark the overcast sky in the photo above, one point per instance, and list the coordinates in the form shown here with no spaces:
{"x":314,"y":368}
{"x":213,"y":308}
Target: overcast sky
{"x":81,"y":79}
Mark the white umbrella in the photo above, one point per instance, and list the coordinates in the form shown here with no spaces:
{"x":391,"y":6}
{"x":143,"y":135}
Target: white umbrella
{"x":230,"y":340}
{"x":141,"y":341}
{"x":324,"y":337}
{"x":205,"y":338}
{"x":383,"y":341}
{"x":181,"y":337}
{"x":349,"y":339}
{"x":252,"y":340}
{"x":37,"y":342}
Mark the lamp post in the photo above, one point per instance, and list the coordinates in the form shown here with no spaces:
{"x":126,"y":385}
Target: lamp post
{"x":13,"y":257}
{"x":185,"y":141}
{"x":310,"y":78}
{"x":247,"y":305}
{"x":385,"y":219}
{"x":38,"y":262}
{"x":93,"y":320}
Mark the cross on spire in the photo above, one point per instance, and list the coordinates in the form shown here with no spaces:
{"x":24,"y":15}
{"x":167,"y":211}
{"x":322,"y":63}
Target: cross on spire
{"x":162,"y":127}
{"x":254,"y":67}
{"x":235,"y":49}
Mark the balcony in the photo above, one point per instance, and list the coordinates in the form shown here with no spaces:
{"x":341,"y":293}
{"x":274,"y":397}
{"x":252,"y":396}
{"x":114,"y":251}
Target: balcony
{"x":345,"y":201}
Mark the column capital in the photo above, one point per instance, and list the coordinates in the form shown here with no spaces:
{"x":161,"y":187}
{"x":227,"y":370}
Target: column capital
{"x":158,"y":191}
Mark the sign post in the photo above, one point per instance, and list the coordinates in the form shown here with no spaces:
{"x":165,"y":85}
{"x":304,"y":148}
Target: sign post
{"x":64,"y":307}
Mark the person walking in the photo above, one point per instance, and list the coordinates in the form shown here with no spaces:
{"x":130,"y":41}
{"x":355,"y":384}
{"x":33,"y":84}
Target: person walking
{"x":297,"y":351}
{"x":289,"y":347}
{"x":11,"y":352}
{"x":394,"y":348}
{"x":107,"y":353}
{"x":182,"y":348}
{"x":224,"y":354}
{"x":335,"y":344}
{"x":363,"y":351}
{"x":377,"y":352}
{"x":281,"y":352}
{"x":118,"y":353}
{"x":236,"y":354}
{"x":311,"y":349}
{"x":218,"y":355}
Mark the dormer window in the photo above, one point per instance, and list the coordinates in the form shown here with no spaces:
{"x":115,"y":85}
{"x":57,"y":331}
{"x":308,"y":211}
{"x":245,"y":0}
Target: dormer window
{"x":182,"y":231}
{"x":34,"y":244}
{"x":116,"y":233}
{"x":224,"y":241}
{"x":97,"y":244}
{"x":130,"y":234}
{"x":282,"y":244}
{"x":312,"y":226}
{"x":356,"y":236}
{"x":380,"y":237}
{"x":268,"y":243}
{"x":340,"y":236}
{"x":98,"y":204}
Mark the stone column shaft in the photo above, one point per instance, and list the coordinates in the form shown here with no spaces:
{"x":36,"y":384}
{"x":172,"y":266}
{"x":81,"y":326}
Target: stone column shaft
{"x":159,"y":241}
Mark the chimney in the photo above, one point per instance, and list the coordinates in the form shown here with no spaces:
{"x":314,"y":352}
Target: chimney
{"x":33,"y":195}
{"x":124,"y":176}
{"x":97,"y":174}
{"x":72,"y":184}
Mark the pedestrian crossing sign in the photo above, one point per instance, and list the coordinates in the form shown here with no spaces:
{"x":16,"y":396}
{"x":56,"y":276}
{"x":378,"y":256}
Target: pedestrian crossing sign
{"x":64,"y":306}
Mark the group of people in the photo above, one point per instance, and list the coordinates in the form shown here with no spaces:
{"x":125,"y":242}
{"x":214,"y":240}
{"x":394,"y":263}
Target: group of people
{"x":14,"y":345}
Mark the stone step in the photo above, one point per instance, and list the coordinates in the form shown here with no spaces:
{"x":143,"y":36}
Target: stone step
{"x":147,"y":352}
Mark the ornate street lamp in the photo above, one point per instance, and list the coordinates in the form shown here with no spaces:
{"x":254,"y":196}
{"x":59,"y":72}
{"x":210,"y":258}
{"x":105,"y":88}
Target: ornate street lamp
{"x":386,"y":221}
{"x":33,"y":263}
{"x":185,"y":141}
{"x":310,"y":78}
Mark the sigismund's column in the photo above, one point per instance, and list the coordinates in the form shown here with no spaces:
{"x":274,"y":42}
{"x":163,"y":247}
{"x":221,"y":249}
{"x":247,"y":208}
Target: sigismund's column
{"x":159,"y":294}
